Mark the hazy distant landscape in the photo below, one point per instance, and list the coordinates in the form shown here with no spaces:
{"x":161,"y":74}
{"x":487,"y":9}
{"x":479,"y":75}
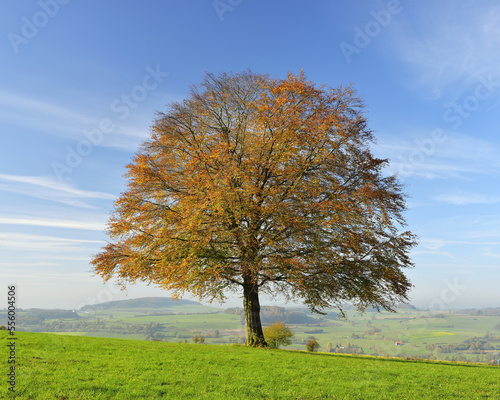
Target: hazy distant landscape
{"x":455,"y":335}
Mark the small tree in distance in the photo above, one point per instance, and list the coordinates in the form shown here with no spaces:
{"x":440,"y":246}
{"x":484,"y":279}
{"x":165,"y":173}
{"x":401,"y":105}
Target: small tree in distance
{"x":262,"y":185}
{"x":277,"y":335}
{"x":312,"y":345}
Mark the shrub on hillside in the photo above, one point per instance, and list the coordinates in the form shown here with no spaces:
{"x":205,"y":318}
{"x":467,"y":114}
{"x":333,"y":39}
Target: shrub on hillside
{"x":278,"y":335}
{"x":312,"y":345}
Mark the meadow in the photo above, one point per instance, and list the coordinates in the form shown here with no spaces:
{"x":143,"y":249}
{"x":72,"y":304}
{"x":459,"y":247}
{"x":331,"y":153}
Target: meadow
{"x":66,"y":367}
{"x":453,"y":335}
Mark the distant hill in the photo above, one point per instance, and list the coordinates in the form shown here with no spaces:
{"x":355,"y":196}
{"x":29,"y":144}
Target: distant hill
{"x":143,"y":302}
{"x":168,"y":302}
{"x":36,"y":316}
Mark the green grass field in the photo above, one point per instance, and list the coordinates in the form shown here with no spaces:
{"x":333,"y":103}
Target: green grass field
{"x":64,"y":367}
{"x":416,"y":329}
{"x":420,"y":331}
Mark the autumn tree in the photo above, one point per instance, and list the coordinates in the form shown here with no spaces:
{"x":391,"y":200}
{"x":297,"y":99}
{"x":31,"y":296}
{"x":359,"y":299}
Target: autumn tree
{"x":329,"y":347}
{"x":262,"y":185}
{"x":312,"y":345}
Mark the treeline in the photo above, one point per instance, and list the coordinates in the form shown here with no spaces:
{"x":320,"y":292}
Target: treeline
{"x":474,"y":345}
{"x":489,"y":312}
{"x":271,"y":314}
{"x":163,"y":313}
{"x":36,"y":316}
{"x":51,"y":314}
{"x":144,"y":302}
{"x":151,"y":331}
{"x":347,"y":348}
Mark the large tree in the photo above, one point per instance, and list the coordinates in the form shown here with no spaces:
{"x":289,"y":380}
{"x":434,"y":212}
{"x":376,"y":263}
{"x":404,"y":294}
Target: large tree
{"x":262,"y":185}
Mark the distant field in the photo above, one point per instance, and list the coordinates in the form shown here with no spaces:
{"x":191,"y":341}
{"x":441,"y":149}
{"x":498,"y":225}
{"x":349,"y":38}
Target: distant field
{"x":71,"y":367}
{"x":190,"y":322}
{"x":450,"y":335}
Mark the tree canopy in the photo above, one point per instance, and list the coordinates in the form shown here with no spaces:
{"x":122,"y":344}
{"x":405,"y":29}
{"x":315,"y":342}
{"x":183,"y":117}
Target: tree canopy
{"x":267,"y":186}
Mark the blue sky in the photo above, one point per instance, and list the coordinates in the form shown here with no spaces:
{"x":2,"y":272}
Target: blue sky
{"x":81,"y":81}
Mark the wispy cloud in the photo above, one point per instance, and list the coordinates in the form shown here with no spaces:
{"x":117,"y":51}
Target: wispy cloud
{"x":435,"y":253}
{"x":31,"y":277}
{"x":39,"y":243}
{"x":53,"y":118}
{"x":449,"y":42}
{"x":53,"y":223}
{"x":41,"y":114}
{"x":436,"y":244}
{"x":457,"y":156}
{"x":48,"y":188}
{"x":465,"y":199}
{"x":32,"y":105}
{"x":491,"y":254}
{"x":482,"y":227}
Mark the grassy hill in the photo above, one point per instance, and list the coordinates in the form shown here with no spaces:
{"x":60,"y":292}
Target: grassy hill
{"x":150,"y":303}
{"x":459,"y":335}
{"x":67,"y":367}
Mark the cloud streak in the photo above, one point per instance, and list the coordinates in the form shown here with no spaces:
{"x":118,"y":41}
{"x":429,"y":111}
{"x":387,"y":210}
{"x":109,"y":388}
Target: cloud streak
{"x":41,"y":115}
{"x":53,"y":223}
{"x":29,"y":106}
{"x":51,"y":118}
{"x":44,"y":244}
{"x":466,"y":199}
{"x":51,"y":277}
{"x":454,"y":42}
{"x":458,"y":156}
{"x":435,"y":244}
{"x":48,"y":188}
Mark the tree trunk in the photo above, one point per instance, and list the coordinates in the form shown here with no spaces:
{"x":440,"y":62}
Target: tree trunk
{"x":253,"y":326}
